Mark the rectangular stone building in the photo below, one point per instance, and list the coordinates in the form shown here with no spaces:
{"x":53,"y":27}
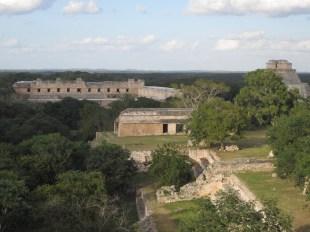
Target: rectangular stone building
{"x":102,"y":92}
{"x":151,"y":121}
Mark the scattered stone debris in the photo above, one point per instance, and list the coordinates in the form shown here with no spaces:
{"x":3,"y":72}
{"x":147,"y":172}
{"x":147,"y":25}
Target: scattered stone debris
{"x":274,"y":175}
{"x":230,"y":148}
{"x":271,"y":154}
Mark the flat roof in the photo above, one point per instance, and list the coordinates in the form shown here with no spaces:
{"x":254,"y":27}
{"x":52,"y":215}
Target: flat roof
{"x":156,"y":111}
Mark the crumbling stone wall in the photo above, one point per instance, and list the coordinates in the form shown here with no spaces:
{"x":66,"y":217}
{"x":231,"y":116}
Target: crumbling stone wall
{"x":241,"y":165}
{"x":218,"y":176}
{"x":146,"y":222}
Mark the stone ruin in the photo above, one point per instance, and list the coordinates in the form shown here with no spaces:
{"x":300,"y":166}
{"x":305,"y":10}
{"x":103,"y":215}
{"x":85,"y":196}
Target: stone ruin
{"x":216,"y":177}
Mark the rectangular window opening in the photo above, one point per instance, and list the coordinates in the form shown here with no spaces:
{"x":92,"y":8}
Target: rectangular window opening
{"x":58,"y":90}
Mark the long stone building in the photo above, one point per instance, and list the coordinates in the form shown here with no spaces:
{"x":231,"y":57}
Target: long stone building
{"x":289,"y":76}
{"x":151,"y":121}
{"x":102,"y":92}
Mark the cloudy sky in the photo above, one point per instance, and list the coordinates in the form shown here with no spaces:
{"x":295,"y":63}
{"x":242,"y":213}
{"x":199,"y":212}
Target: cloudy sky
{"x":231,"y":35}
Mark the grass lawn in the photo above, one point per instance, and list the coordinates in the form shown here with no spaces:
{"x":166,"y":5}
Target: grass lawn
{"x":252,"y":144}
{"x":289,"y":198}
{"x":254,"y":138}
{"x":253,"y":152}
{"x":144,"y":142}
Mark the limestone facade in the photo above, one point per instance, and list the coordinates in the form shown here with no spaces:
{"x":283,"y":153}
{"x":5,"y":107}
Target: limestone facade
{"x":289,"y":76}
{"x":151,"y":121}
{"x":101,"y":92}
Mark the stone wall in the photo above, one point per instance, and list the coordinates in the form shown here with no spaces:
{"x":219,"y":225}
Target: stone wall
{"x":139,"y":129}
{"x":241,"y":165}
{"x":157,"y":93}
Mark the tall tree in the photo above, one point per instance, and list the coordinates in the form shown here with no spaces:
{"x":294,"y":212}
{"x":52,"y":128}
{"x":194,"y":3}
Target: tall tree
{"x":114,"y":163}
{"x":264,"y":97}
{"x":200,"y":91}
{"x":43,"y":157}
{"x":289,"y":138}
{"x":214,"y":121}
{"x":170,"y":166}
{"x":77,"y":202}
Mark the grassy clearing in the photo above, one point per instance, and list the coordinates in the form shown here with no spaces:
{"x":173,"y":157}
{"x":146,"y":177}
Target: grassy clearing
{"x":144,"y":142}
{"x":289,"y":198}
{"x":255,"y":138}
{"x":182,"y":212}
{"x":252,"y":145}
{"x":253,"y":152}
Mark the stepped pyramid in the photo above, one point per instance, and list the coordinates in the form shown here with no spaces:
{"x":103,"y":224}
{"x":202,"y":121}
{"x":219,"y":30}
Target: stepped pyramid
{"x":289,"y":76}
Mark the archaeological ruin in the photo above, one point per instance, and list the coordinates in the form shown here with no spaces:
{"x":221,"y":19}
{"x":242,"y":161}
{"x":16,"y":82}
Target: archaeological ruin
{"x":101,"y":92}
{"x":151,"y":121}
{"x":289,"y":76}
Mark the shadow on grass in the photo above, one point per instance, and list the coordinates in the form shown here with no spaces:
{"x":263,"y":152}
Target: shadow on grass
{"x":304,"y":228}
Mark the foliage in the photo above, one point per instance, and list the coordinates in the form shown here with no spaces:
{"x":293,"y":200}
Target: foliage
{"x":200,"y":91}
{"x":214,"y":121}
{"x":43,"y":157}
{"x":66,"y":111}
{"x":12,"y":198}
{"x":170,"y":166}
{"x":115,"y":108}
{"x":93,"y":119}
{"x":229,"y":213}
{"x":290,"y":139}
{"x":77,"y":202}
{"x":113,"y":162}
{"x":264,"y":97}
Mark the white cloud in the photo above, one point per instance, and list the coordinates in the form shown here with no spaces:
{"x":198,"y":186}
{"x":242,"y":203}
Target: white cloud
{"x":8,"y":43}
{"x":148,"y":39}
{"x":118,"y":43}
{"x":81,"y":7}
{"x":172,"y":45}
{"x":141,"y":9}
{"x":22,"y":6}
{"x":227,"y":44}
{"x":258,"y":40}
{"x":245,"y":7}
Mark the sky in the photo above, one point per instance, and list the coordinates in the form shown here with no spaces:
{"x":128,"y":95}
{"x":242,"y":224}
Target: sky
{"x":206,"y":35}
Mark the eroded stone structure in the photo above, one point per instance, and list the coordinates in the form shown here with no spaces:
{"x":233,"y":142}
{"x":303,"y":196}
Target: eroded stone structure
{"x":289,"y":76}
{"x":151,"y":121}
{"x":102,"y":92}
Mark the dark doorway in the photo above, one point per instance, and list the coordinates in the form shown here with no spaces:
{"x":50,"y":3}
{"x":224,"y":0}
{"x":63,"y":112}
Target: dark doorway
{"x":165,"y":128}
